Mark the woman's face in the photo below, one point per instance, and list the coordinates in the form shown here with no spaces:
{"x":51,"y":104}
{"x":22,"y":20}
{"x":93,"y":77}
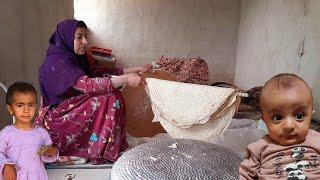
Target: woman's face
{"x":80,"y":41}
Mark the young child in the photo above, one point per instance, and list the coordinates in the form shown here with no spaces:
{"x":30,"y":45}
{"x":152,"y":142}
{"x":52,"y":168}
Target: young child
{"x":291,"y":150}
{"x":24,"y":146}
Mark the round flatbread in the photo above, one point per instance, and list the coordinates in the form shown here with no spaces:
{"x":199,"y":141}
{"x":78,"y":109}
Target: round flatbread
{"x":189,"y":110}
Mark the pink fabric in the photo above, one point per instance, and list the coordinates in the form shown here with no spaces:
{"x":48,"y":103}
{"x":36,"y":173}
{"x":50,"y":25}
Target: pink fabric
{"x":90,"y":125}
{"x":268,"y":160}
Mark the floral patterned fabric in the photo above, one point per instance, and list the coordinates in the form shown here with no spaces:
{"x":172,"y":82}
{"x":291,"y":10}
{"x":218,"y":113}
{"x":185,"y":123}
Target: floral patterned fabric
{"x":188,"y":70}
{"x":89,"y":125}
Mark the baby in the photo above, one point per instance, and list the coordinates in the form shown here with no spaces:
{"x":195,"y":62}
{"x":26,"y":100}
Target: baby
{"x":24,"y":146}
{"x":291,"y":150}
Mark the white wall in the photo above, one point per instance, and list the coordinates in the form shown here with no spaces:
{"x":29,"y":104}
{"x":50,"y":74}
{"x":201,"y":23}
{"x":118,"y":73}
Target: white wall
{"x":141,"y":31}
{"x":25,"y":30}
{"x":272,"y":35}
{"x":279,"y":36}
{"x":24,"y":33}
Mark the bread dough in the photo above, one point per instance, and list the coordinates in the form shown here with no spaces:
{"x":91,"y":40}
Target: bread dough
{"x":189,"y":110}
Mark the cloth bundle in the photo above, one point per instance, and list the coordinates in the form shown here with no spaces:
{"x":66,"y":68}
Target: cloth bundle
{"x":249,"y":107}
{"x":191,"y":111}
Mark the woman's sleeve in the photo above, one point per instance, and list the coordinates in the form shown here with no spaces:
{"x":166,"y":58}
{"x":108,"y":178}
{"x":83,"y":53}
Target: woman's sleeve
{"x":250,"y":166}
{"x":3,"y":154}
{"x":94,"y":85}
{"x":47,"y":142}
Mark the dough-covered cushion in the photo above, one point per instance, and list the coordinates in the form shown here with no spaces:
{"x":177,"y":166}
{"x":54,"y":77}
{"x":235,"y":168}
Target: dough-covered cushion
{"x":177,"y":159}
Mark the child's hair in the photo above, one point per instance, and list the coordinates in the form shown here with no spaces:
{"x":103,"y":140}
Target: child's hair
{"x":283,"y":81}
{"x":82,"y":24}
{"x":21,"y":87}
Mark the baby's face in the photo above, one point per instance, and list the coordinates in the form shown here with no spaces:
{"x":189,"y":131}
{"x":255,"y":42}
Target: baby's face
{"x":287,"y":114}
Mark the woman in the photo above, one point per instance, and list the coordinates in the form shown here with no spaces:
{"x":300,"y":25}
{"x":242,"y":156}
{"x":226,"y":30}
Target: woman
{"x":83,"y":113}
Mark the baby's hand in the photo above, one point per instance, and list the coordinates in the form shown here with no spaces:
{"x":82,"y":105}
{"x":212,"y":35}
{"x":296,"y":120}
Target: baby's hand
{"x":9,"y":172}
{"x":48,"y":151}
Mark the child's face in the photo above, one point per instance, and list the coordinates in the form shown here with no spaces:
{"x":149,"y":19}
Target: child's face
{"x":23,"y":107}
{"x":287,"y":114}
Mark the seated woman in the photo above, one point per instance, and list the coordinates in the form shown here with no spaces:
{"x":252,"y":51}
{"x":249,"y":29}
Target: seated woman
{"x":83,"y":110}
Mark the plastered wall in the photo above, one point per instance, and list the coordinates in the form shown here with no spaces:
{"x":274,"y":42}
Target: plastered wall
{"x":24,"y":33}
{"x":245,"y":41}
{"x":141,"y":31}
{"x":278,"y":37}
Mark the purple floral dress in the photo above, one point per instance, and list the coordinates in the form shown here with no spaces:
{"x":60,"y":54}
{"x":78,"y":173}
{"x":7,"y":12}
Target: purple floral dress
{"x":91,"y":124}
{"x":83,"y":113}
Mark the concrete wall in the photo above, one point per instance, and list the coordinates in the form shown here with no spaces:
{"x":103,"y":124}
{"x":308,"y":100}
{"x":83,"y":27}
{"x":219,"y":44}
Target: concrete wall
{"x":24,"y":33}
{"x":141,"y":31}
{"x":279,"y":36}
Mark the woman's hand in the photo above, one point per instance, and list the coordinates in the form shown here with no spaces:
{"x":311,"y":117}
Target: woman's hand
{"x":134,"y":80}
{"x":140,"y":69}
{"x":9,"y":172}
{"x":145,"y":68}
